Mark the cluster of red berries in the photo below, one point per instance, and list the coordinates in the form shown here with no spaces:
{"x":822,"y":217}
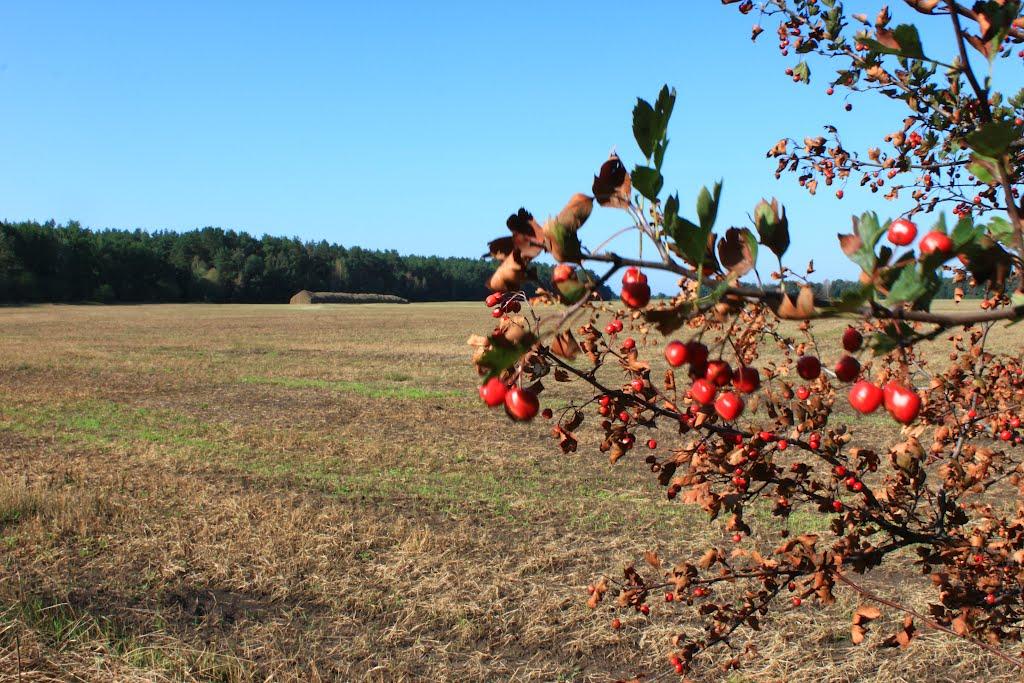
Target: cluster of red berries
{"x":614,"y":327}
{"x":710,"y":376}
{"x":902,"y":232}
{"x":521,"y":404}
{"x":502,"y":304}
{"x":903,"y":403}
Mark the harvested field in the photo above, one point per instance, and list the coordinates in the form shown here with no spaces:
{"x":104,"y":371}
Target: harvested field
{"x":314,"y":493}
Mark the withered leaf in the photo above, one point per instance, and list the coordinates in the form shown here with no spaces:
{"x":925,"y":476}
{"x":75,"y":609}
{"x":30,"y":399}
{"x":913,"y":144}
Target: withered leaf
{"x":850,"y":244}
{"x":575,"y":421}
{"x":736,"y":251}
{"x":563,"y":242}
{"x":803,"y":309}
{"x":651,"y":558}
{"x":612,"y":185}
{"x":669,"y":319}
{"x":527,"y":237}
{"x":576,"y":212}
{"x":510,"y":275}
{"x":564,"y":345}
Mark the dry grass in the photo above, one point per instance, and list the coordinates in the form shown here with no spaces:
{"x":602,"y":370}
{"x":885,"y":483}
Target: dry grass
{"x":255,"y":493}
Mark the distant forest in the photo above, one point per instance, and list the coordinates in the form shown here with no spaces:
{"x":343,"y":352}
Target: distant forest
{"x":46,"y":262}
{"x":69,"y":263}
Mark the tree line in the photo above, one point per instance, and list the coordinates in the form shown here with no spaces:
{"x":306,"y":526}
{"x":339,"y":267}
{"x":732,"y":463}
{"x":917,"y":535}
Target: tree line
{"x":47,"y":262}
{"x":68,"y":263}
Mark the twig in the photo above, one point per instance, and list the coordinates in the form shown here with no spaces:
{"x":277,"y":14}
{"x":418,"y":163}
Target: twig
{"x":928,"y":622}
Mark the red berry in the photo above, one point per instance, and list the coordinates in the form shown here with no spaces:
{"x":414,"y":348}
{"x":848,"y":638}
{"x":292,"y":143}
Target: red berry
{"x":847,"y":369}
{"x":990,"y":599}
{"x":1006,"y":435}
{"x":496,"y":313}
{"x":669,"y":597}
{"x":652,"y":444}
{"x":729,"y":406}
{"x":629,"y":344}
{"x":746,"y":379}
{"x":616,"y":623}
{"x":675,"y":353}
{"x":702,"y":391}
{"x":637,"y":385}
{"x":736,"y":538}
{"x":699,"y":592}
{"x":857,"y":486}
{"x":521,"y":404}
{"x":865,"y":397}
{"x":644,"y":609}
{"x":782,"y":444}
{"x":796,"y":602}
{"x":808,"y":367}
{"x":902,"y":232}
{"x":936,"y":242}
{"x":633,"y":275}
{"x":610,"y":329}
{"x":624,"y":416}
{"x":696,"y":354}
{"x":635,"y":291}
{"x":802,"y":393}
{"x":902,"y":403}
{"x":718,"y":373}
{"x":852,"y":339}
{"x":493,"y":392}
{"x":562,"y":272}
{"x":837,"y":505}
{"x":840,"y":471}
{"x":547,"y":413}
{"x":493,"y":299}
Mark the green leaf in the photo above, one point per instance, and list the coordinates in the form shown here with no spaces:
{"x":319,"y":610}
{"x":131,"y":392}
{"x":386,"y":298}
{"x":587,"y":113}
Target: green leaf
{"x":802,"y":73}
{"x":645,"y":127}
{"x":772,"y":226}
{"x":908,"y":287}
{"x":690,"y":240}
{"x":647,"y":181}
{"x":1001,"y":229}
{"x":907,"y":39}
{"x":572,"y":290}
{"x":994,"y":138}
{"x":964,"y":232}
{"x":881,"y":343}
{"x":650,"y":124}
{"x":983,"y":168}
{"x":503,"y":354}
{"x":870,"y":230}
{"x":852,"y":299}
{"x":707,"y":206}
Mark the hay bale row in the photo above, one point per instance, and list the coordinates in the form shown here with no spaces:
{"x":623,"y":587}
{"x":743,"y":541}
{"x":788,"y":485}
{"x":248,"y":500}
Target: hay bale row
{"x":308,"y":297}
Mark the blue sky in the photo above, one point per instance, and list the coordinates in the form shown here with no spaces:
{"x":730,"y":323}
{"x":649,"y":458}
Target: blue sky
{"x":403,"y":125}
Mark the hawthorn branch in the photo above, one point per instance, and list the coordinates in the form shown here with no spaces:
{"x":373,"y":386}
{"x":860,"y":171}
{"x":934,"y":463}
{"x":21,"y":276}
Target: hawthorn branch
{"x":966,"y":68}
{"x":774,"y":297}
{"x":874,"y":597}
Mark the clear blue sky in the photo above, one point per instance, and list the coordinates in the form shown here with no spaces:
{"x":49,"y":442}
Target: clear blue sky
{"x":407,"y":125}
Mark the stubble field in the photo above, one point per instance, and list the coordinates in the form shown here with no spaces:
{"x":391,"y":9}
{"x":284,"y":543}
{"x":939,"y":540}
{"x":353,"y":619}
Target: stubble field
{"x":314,"y":493}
